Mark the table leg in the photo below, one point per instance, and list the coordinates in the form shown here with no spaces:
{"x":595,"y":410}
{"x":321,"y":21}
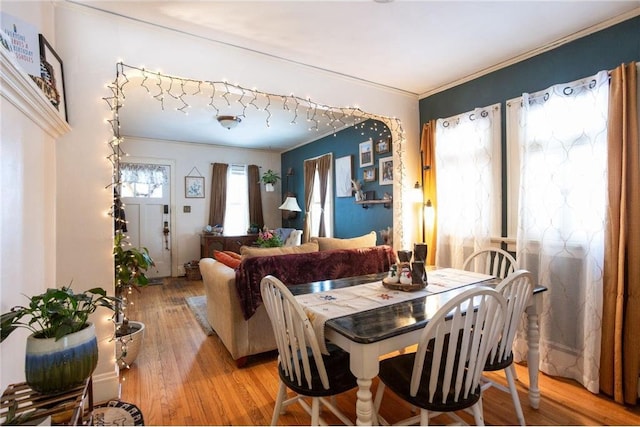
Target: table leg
{"x":364,"y":364}
{"x":533,"y":356}
{"x":364,"y":404}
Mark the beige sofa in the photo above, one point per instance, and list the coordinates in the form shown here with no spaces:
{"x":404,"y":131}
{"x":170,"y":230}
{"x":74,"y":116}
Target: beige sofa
{"x":244,"y":333}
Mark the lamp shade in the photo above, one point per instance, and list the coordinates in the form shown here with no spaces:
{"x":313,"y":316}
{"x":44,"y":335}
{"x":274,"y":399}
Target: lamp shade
{"x":290,"y":204}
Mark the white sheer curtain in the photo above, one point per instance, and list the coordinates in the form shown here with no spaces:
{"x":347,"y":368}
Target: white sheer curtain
{"x":560,"y":237}
{"x":468,"y":166}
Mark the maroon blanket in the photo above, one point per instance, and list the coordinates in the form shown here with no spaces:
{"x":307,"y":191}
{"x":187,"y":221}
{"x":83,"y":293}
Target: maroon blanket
{"x":294,"y":269}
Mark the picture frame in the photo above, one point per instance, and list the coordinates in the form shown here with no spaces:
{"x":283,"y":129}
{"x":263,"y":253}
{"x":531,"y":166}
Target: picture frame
{"x":386,"y":170}
{"x":343,"y":177}
{"x":383,"y":146}
{"x":369,"y":175}
{"x":366,"y":153}
{"x":194,"y":187}
{"x":51,"y":63}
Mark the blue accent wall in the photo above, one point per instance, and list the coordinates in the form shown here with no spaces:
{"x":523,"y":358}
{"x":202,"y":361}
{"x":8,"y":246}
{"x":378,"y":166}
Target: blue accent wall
{"x":603,"y":50}
{"x":350,"y":219}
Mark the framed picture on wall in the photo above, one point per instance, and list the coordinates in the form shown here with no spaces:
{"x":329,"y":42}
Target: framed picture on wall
{"x":366,"y":153}
{"x":386,"y":170}
{"x":53,"y":76}
{"x":369,"y":175}
{"x":194,"y":187}
{"x":383,"y":145}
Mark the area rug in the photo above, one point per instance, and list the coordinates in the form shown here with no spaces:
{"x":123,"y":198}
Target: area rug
{"x":117,"y":413}
{"x":198,"y":306}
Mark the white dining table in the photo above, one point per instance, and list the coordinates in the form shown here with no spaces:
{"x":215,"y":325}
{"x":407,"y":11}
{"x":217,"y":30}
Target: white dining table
{"x":367,"y":335}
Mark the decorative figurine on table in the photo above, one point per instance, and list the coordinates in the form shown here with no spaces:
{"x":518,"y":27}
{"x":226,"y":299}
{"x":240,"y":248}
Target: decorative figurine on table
{"x":405,"y":275}
{"x":392,"y":277}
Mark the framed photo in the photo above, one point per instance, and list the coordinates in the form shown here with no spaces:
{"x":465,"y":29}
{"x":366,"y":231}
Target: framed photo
{"x":366,"y":153}
{"x":53,"y":74}
{"x":386,"y":170}
{"x":383,"y":146}
{"x":194,"y":187}
{"x":369,"y":175}
{"x":343,"y":177}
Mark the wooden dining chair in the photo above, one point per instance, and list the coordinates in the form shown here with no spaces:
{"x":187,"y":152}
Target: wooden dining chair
{"x":301,"y":366}
{"x":494,"y":261}
{"x":517,"y":289}
{"x":444,"y":373}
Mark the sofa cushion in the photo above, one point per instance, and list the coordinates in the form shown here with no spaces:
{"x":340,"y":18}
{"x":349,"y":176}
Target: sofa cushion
{"x":226,"y":259}
{"x":251,"y":252}
{"x":330,"y":243}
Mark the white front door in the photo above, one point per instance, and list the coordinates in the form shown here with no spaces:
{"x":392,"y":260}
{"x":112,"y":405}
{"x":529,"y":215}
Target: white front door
{"x":147,"y":213}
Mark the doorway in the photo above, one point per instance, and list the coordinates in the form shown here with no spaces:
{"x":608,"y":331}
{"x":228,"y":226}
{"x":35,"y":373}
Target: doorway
{"x":146,"y":195}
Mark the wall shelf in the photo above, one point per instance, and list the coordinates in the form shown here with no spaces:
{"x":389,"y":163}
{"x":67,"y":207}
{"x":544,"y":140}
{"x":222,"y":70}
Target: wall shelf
{"x":19,"y":89}
{"x":385,"y":202}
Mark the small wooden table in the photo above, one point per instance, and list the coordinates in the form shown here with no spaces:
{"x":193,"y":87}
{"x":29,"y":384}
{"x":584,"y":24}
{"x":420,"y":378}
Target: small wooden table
{"x":210,"y":242}
{"x":72,"y":401}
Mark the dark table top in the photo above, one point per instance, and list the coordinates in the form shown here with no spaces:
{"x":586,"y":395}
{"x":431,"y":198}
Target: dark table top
{"x":387,"y":321}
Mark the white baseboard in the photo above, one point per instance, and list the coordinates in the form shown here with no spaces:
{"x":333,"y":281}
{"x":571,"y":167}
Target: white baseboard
{"x":106,"y":387}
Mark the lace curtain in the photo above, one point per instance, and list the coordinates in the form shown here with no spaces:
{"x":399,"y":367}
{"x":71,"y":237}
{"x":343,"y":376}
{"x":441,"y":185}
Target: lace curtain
{"x":563,"y":175}
{"x":152,"y":175}
{"x":467,"y":156}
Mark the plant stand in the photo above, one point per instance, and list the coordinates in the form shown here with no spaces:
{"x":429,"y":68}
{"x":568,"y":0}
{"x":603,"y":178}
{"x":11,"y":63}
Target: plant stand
{"x":73,"y":407}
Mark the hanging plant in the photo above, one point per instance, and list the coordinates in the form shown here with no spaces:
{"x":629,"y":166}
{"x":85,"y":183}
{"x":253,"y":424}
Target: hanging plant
{"x":270,"y":177}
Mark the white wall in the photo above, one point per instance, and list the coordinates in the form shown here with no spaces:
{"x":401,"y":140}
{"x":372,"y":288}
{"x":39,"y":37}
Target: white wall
{"x":27,"y":200}
{"x":186,"y":156}
{"x":90,"y":44}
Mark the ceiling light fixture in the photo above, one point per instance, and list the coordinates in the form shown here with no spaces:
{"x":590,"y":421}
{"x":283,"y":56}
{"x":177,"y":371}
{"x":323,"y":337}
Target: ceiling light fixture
{"x":229,"y":122}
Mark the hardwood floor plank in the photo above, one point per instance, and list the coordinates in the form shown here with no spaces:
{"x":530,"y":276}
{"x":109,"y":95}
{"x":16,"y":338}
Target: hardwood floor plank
{"x":184,"y":377}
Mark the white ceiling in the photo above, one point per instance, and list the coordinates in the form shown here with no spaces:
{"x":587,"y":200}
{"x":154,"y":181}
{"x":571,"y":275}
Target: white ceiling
{"x":424,"y":45}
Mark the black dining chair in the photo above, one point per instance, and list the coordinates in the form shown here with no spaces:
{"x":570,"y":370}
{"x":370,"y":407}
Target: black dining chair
{"x":444,"y":373}
{"x":301,"y":366}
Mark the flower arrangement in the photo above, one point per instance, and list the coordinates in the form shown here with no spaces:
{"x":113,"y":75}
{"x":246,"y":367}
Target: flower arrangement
{"x":268,"y":239}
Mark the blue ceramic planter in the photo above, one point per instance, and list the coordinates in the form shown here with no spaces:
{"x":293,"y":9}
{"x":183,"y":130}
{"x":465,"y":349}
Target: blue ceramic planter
{"x":56,"y":366}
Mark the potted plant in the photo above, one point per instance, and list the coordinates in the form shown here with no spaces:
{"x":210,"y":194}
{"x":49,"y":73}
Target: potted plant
{"x":269,"y":178}
{"x":62,"y":350}
{"x":130,"y":267}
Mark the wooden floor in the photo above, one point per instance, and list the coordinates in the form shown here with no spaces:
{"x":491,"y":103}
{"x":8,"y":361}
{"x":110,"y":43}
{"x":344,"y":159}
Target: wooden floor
{"x":184,"y":377}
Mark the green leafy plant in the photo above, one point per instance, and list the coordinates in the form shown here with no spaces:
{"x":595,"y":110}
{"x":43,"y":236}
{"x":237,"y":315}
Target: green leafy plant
{"x":56,"y":312}
{"x":268,"y":239}
{"x":270,"y":177}
{"x":130,"y":265}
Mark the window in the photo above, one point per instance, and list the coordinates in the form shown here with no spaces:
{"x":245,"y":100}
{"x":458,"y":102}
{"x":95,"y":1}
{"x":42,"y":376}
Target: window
{"x":316,"y":205}
{"x":468,"y":183}
{"x":236,"y":218}
{"x":142,"y":180}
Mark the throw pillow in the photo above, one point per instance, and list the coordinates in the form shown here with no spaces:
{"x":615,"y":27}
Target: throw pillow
{"x":329,"y":243}
{"x":250,"y":252}
{"x":227,"y":260}
{"x":233,"y":254}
